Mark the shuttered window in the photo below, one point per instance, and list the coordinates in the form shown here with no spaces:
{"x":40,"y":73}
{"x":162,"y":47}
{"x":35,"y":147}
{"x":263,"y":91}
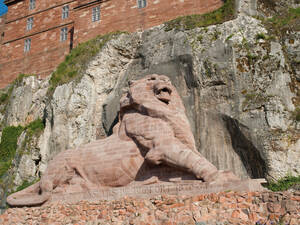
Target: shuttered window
{"x":64,"y":34}
{"x":29,"y":23}
{"x":27,"y":45}
{"x":65,"y":12}
{"x":96,"y":13}
{"x":31,"y":4}
{"x":141,"y":3}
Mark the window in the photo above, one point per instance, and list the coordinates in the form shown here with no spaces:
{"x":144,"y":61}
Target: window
{"x":142,"y":3}
{"x":27,"y":45}
{"x":64,"y":34}
{"x":65,"y":12}
{"x":96,"y":14}
{"x":29,"y":23}
{"x":31,"y":4}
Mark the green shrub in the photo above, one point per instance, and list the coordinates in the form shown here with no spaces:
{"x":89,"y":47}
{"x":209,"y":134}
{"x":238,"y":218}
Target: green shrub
{"x":35,"y":127}
{"x":225,"y":13}
{"x":9,"y":139}
{"x":283,"y":184}
{"x":3,"y":98}
{"x":76,"y":61}
{"x":8,"y":146}
{"x":260,"y":36}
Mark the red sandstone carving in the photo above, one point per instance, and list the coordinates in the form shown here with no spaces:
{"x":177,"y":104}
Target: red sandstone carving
{"x":153,"y":135}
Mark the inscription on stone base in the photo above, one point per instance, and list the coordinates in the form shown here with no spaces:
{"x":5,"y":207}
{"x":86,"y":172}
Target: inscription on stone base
{"x":188,"y":188}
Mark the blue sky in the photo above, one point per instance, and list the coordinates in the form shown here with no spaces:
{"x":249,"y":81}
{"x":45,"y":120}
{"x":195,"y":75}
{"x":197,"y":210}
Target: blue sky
{"x":3,"y":8}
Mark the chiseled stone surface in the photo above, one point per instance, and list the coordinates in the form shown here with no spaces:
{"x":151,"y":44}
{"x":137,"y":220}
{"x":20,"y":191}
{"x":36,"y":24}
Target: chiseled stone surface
{"x":241,"y":110}
{"x":153,"y":129}
{"x":210,"y":209}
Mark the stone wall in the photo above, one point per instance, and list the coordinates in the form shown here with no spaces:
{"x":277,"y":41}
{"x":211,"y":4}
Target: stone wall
{"x":45,"y":35}
{"x":125,"y":16}
{"x":217,"y":208}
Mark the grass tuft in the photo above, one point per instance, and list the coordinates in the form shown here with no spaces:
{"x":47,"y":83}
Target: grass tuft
{"x":35,"y":127}
{"x":284,"y":183}
{"x":225,"y":13}
{"x":76,"y":61}
{"x":25,"y":184}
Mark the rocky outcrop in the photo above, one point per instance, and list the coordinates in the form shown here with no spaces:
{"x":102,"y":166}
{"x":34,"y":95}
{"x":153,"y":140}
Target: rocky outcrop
{"x":239,"y":84}
{"x":211,"y":209}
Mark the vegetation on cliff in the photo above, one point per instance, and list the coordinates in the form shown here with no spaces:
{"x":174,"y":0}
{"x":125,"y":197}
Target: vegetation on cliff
{"x":225,"y":13}
{"x":284,"y":183}
{"x":78,"y":59}
{"x":6,"y":92}
{"x":9,"y":139}
{"x":8,"y":146}
{"x":287,"y":20}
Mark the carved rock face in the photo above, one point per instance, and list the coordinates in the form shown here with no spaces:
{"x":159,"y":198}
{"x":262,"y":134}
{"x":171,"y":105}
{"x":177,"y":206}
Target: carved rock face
{"x":153,"y":130}
{"x":156,"y":89}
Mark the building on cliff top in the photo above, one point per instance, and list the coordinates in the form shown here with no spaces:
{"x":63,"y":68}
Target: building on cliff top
{"x":36,"y":35}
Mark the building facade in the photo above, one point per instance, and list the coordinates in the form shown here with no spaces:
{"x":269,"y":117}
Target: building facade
{"x":36,"y":35}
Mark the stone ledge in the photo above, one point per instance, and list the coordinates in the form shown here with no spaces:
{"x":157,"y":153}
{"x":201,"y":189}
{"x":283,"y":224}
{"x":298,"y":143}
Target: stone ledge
{"x":187,"y":188}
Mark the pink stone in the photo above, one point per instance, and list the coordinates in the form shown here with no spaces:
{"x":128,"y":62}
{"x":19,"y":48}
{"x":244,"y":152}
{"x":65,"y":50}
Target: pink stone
{"x":153,"y":130}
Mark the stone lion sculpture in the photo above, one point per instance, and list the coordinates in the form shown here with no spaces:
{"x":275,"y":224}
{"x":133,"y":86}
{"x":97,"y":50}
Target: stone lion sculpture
{"x":153,"y":129}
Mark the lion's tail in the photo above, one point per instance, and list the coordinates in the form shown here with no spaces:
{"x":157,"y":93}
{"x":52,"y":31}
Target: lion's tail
{"x":28,"y":197}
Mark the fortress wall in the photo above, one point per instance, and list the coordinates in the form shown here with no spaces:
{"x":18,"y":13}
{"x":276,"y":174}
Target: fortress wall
{"x":115,"y":15}
{"x":125,"y":15}
{"x":45,"y":54}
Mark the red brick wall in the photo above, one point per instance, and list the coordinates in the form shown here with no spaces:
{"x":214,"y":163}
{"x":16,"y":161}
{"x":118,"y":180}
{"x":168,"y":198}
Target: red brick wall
{"x":46,"y":49}
{"x":2,"y":26}
{"x":125,"y":16}
{"x":42,"y":21}
{"x":21,"y":8}
{"x":45,"y":54}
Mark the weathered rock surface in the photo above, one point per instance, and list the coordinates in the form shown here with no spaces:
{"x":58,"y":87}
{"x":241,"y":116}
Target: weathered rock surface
{"x":211,"y":209}
{"x":240,"y":92}
{"x":153,"y":131}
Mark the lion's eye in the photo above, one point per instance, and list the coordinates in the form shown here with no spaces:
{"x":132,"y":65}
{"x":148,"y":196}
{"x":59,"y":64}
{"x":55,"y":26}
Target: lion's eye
{"x":152,"y":78}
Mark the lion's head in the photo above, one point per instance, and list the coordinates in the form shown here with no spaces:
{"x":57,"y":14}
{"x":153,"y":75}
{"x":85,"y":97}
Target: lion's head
{"x":155,"y":96}
{"x":153,"y":89}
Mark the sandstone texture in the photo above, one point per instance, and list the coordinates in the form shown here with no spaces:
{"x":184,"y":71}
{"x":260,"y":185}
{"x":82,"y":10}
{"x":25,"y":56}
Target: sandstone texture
{"x":212,"y":209}
{"x":153,"y":129}
{"x":241,"y":95}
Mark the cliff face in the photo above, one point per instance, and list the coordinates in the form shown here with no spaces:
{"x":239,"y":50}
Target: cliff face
{"x":239,"y":81}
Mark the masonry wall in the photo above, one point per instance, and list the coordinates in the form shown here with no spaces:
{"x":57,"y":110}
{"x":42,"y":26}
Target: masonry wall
{"x":125,"y":15}
{"x":47,"y":51}
{"x":45,"y":54}
{"x":42,"y":21}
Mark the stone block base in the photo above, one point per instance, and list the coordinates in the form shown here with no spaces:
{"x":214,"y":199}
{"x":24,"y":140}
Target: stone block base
{"x":186,"y":188}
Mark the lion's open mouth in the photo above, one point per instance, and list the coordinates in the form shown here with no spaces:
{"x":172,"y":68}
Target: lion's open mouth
{"x":163,"y":93}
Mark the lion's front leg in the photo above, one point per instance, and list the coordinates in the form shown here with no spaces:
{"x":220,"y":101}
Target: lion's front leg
{"x":158,"y":139}
{"x":172,"y":152}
